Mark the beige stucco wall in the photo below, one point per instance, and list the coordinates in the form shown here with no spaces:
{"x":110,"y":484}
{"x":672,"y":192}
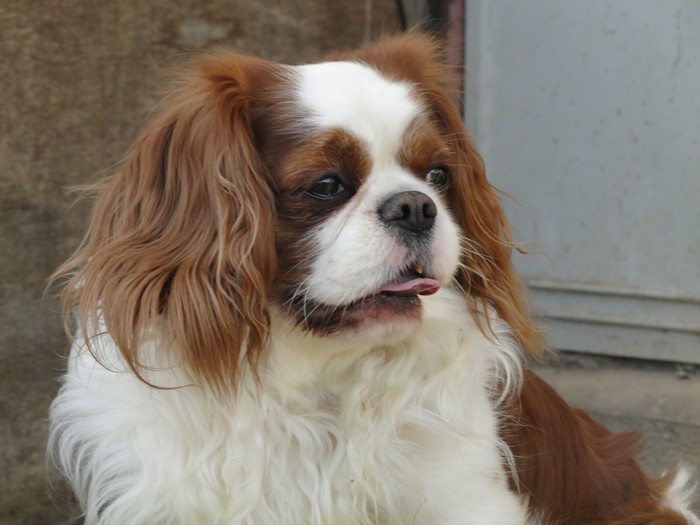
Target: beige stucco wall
{"x":77,"y":79}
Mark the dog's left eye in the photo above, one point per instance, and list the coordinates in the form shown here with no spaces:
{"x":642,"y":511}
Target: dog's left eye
{"x":327,"y":188}
{"x":436,"y":177}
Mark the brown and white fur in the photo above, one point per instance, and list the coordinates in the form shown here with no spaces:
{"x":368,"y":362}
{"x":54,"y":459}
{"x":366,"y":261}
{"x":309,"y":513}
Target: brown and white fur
{"x":296,"y":305}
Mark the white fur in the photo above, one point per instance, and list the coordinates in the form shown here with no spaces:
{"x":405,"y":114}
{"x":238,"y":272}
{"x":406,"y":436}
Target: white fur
{"x":354,"y":97}
{"x":679,"y":495}
{"x":338,"y":433}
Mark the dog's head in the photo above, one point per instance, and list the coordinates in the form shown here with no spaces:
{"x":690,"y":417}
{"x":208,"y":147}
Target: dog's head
{"x":335,"y":194}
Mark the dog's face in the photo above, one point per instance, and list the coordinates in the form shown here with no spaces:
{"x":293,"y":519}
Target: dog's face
{"x":364,"y":228}
{"x":336,"y":193}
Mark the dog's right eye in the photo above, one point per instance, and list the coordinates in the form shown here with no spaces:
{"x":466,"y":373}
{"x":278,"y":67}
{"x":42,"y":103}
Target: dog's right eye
{"x":329,"y":187}
{"x":437,"y":177}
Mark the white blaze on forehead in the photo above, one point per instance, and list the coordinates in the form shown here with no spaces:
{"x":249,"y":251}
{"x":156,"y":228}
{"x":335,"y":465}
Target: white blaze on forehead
{"x":356,"y":98}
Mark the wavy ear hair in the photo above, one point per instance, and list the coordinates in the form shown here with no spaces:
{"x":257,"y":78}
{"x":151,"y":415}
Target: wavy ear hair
{"x":182,"y":235}
{"x":487,"y":275}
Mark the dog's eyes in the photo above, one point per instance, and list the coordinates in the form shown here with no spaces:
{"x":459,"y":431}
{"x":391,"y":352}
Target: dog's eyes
{"x":436,"y":177}
{"x":327,"y":188}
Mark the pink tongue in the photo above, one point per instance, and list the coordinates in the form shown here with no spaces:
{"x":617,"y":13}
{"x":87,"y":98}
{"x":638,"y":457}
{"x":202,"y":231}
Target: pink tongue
{"x":420,"y":286}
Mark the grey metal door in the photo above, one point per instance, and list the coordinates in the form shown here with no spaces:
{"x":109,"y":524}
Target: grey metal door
{"x":588,"y":114}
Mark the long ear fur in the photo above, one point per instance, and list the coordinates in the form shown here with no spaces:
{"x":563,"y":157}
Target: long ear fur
{"x":487,"y":274}
{"x":182,"y":236}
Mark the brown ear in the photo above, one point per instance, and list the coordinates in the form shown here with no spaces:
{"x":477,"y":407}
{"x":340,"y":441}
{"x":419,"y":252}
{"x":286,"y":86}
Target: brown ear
{"x":183,"y":236}
{"x":487,"y":274}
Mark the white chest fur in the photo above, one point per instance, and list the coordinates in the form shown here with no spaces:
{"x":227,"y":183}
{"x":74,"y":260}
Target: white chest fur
{"x":403,"y":433}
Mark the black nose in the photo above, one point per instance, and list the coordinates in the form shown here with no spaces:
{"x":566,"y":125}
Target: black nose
{"x":412,"y":211}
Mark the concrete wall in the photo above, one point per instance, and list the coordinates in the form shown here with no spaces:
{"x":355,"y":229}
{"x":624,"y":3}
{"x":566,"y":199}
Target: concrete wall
{"x":77,"y":79}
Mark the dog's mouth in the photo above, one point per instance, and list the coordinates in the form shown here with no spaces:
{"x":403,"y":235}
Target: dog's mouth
{"x":393,"y":300}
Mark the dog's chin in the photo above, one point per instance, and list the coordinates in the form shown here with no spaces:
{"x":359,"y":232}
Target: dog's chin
{"x":379,"y":318}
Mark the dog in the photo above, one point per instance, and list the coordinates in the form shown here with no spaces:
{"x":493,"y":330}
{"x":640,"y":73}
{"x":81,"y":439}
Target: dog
{"x":296,"y":305}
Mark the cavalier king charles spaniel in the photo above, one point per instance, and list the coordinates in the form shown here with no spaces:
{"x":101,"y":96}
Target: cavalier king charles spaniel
{"x":296,"y":305}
